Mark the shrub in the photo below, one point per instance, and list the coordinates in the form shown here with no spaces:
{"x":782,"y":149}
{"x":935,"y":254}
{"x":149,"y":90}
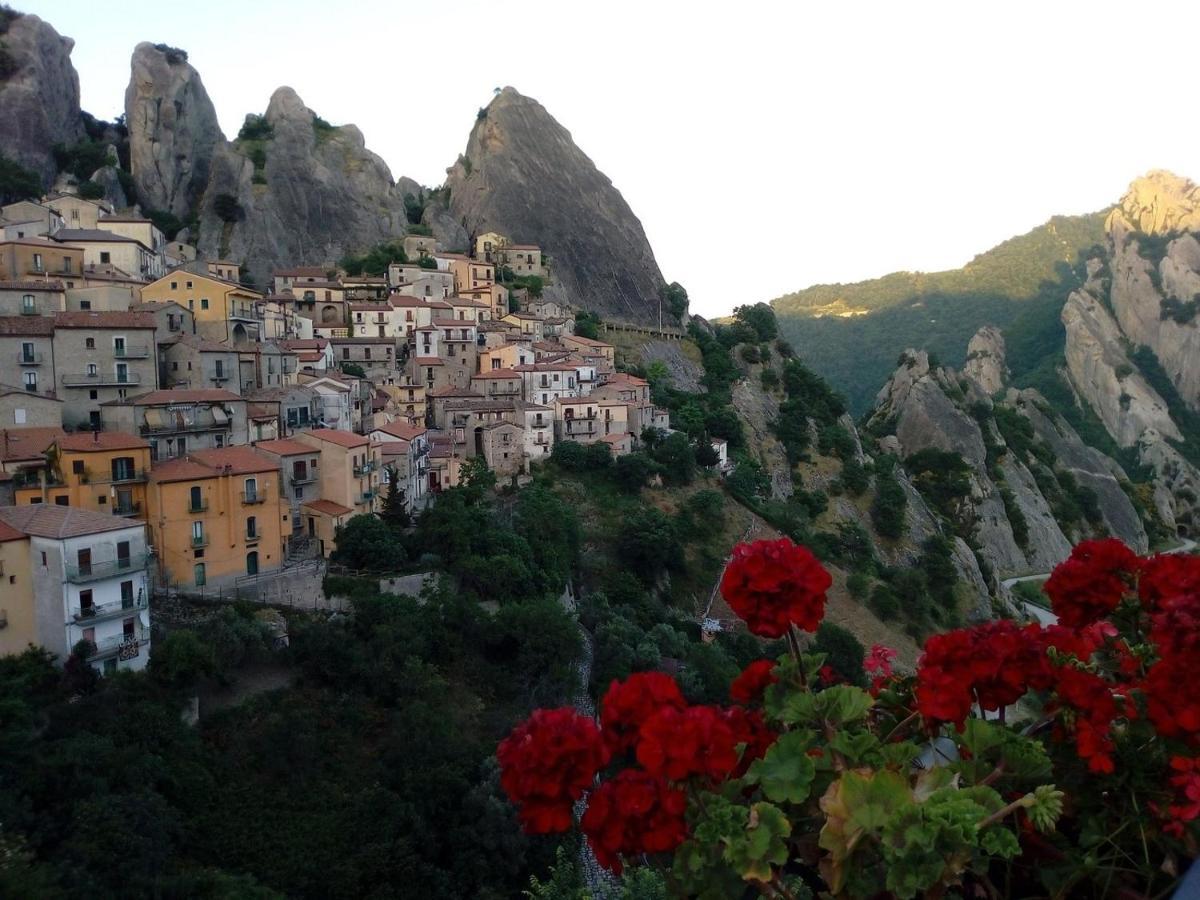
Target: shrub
{"x":843,"y":652}
{"x":227,"y":208}
{"x":90,"y":190}
{"x":854,"y":478}
{"x":858,"y":585}
{"x":884,"y":603}
{"x":750,"y":353}
{"x":770,"y":379}
{"x":17,"y":182}
{"x":888,"y":507}
{"x":256,"y":128}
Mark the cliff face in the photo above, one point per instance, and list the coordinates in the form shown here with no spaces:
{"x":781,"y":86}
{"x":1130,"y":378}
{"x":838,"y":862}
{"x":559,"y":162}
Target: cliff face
{"x":1133,"y":336}
{"x":1024,"y":503}
{"x":39,"y":101}
{"x":173,"y":130}
{"x":523,"y":176}
{"x":320,"y":194}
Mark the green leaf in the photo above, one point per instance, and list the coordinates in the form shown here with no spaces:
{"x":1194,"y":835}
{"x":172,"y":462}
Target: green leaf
{"x":998,"y":841}
{"x":1046,"y":808}
{"x":844,"y":704}
{"x":786,"y":773}
{"x":762,"y":845}
{"x":856,"y":747}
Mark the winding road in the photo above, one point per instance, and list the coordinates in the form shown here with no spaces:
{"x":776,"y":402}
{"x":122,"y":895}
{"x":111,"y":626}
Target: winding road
{"x":1044,"y":615}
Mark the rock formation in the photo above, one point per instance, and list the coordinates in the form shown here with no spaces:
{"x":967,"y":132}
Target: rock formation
{"x":523,"y":176}
{"x":985,"y":359}
{"x":39,"y":100}
{"x":1008,"y":512}
{"x":319,"y":194}
{"x":173,"y":129}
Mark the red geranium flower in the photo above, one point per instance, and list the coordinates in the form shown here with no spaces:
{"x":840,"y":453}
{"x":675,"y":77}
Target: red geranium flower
{"x":1167,"y":576}
{"x":695,"y":741}
{"x":774,"y":584}
{"x":993,"y":664}
{"x":631,"y":702}
{"x":748,"y":687}
{"x":879,"y":661}
{"x":1172,"y":703}
{"x":749,"y":728}
{"x":1089,"y":584}
{"x":1186,"y":781}
{"x":1095,"y":706}
{"x":631,"y":814}
{"x":546,"y":764}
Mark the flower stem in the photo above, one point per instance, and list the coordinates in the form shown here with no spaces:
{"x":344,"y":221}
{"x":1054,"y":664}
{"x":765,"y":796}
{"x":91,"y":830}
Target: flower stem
{"x":1023,"y":802}
{"x":901,"y":725}
{"x":794,"y":648}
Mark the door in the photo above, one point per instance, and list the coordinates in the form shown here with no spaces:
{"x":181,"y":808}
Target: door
{"x":312,"y":527}
{"x":252,"y":562}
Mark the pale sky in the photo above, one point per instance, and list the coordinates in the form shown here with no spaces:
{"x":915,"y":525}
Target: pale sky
{"x":807,"y":142}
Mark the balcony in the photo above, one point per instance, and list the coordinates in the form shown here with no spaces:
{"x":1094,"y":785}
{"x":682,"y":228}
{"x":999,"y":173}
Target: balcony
{"x":124,"y":646}
{"x":127,"y":509}
{"x":250,"y":498}
{"x":121,"y":476}
{"x":85,"y":380}
{"x":200,"y":507}
{"x":307,"y":478}
{"x":100,"y":611}
{"x":199,"y":540}
{"x":30,"y":359}
{"x":253,"y":538}
{"x":131,"y":352}
{"x":247,"y":313}
{"x":109,"y":568}
{"x":29,"y":311}
{"x":365,"y":469}
{"x":366,"y":498}
{"x":219,"y":376}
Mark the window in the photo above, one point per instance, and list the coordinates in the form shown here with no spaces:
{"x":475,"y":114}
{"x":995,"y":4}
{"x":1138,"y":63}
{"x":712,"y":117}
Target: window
{"x":174,"y":285}
{"x":93,"y":395}
{"x":27,"y":352}
{"x":198,"y":533}
{"x":196,"y":499}
{"x":85,"y":305}
{"x":198,"y":574}
{"x":86,"y":605}
{"x":105,"y":257}
{"x":251,"y":527}
{"x":126,"y":594}
{"x":90,"y":343}
{"x":18,"y":416}
{"x":122,"y":468}
{"x":122,"y":373}
{"x":204,"y":303}
{"x":28,"y":304}
{"x":83,"y":559}
{"x":123,"y":558}
{"x":119,"y":346}
{"x":63,"y":501}
{"x":189,"y":285}
{"x":31,"y":381}
{"x":77,"y":467}
{"x":91,"y":369}
{"x":191,"y":303}
{"x":38,"y":265}
{"x":218,"y":440}
{"x":251,"y":489}
{"x":345,"y":353}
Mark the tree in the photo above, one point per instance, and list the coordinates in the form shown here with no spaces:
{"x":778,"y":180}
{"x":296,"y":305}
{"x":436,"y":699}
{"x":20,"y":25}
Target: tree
{"x":760,"y":318}
{"x":227,"y":208}
{"x":476,"y":476}
{"x":17,"y":182}
{"x":534,"y":284}
{"x":706,"y":454}
{"x":887,"y":509}
{"x":354,"y":369}
{"x":675,"y":298}
{"x":677,"y":458}
{"x":366,"y":542}
{"x":571,"y":455}
{"x":394,"y":513}
{"x":632,"y":470}
{"x":648,"y":543}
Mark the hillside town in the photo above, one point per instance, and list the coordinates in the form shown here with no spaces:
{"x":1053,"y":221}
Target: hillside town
{"x":166,"y":426}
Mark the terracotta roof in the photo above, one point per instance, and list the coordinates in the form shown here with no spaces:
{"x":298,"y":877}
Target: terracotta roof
{"x":587,"y":342}
{"x":115,"y":319}
{"x":428,"y":361}
{"x":341,"y":438}
{"x":402,"y":430}
{"x":198,"y":343}
{"x":521,"y":315}
{"x":438,"y":304}
{"x":377,"y":306}
{"x":31,"y":286}
{"x":66,"y":235}
{"x":179,"y":470}
{"x":523,"y":247}
{"x":305,"y":343}
{"x":86,"y":442}
{"x":27,"y":326}
{"x":615,"y":438}
{"x":403,"y":300}
{"x":328,"y":507}
{"x":468,"y":303}
{"x":286,"y":447}
{"x":53,"y":521}
{"x":8,"y":533}
{"x":497,"y":373}
{"x":35,"y":242}
{"x":313,"y":356}
{"x":203,"y":395}
{"x":457,"y":323}
{"x":241,"y":460}
{"x":455,"y":392}
{"x":27,"y":443}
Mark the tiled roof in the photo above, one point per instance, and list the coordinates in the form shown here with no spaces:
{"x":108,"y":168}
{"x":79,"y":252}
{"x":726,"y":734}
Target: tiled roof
{"x":587,"y":342}
{"x":402,"y":430}
{"x":179,"y":470}
{"x":26,"y":326}
{"x":428,"y":361}
{"x":286,"y":447}
{"x":53,"y":521}
{"x":497,"y":373}
{"x":31,"y":286}
{"x":66,"y":235}
{"x":27,"y":443}
{"x":85,"y":442}
{"x":449,"y":391}
{"x":301,"y":272}
{"x":328,"y":507}
{"x":8,"y":533}
{"x":240,"y":460}
{"x":341,"y":438}
{"x":106,"y":319}
{"x":202,"y":395}
{"x":403,"y":300}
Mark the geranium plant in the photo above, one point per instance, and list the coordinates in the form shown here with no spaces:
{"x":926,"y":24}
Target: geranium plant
{"x":1019,"y":760}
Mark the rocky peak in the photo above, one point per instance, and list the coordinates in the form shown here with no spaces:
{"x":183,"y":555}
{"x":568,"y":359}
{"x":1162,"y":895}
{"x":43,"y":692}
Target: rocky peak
{"x":1159,"y":202}
{"x":173,"y":129}
{"x":522,"y":175}
{"x":39,"y":101}
{"x":986,"y":359}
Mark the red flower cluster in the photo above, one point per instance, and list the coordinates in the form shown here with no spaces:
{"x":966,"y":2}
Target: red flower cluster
{"x":749,"y":686}
{"x":1172,"y":704}
{"x":695,"y":741}
{"x":1090,"y":584}
{"x":631,"y":702}
{"x":749,"y":728}
{"x":774,"y":584}
{"x":994,"y":664}
{"x":1095,"y":706}
{"x":633,"y":813}
{"x":1186,"y":782}
{"x":1166,"y":577}
{"x":546,"y":764}
{"x":878,"y":665}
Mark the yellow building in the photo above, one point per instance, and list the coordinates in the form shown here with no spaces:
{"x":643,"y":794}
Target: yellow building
{"x":224,"y":310}
{"x":18,"y":615}
{"x":469,"y":274}
{"x":349,"y":468}
{"x":489,"y":246}
{"x":102,"y":471}
{"x":217,"y":515}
